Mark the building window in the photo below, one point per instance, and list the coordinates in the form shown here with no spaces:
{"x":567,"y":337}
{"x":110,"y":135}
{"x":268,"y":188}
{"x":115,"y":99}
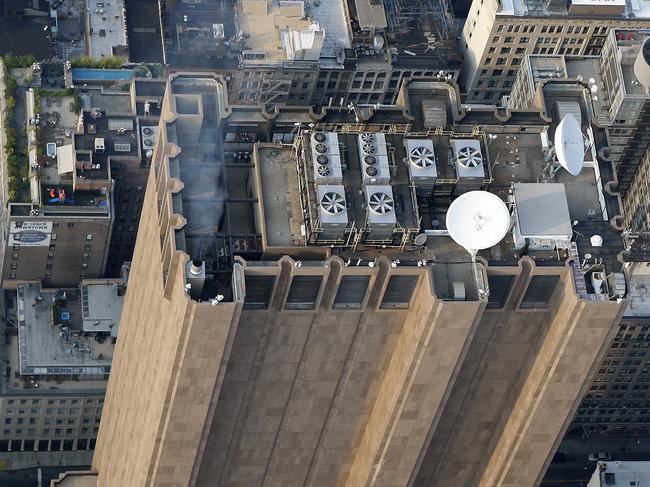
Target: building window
{"x":351,"y":292}
{"x":48,"y":275}
{"x":539,"y":292}
{"x":89,"y":236}
{"x":12,"y":275}
{"x":303,"y":292}
{"x":258,"y":294}
{"x":70,"y":224}
{"x":14,"y":265}
{"x":499,"y":285}
{"x":53,"y":236}
{"x":398,"y":292}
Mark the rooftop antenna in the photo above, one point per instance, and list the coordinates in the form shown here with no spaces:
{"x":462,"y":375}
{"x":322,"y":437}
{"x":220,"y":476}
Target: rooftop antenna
{"x":478,"y":220}
{"x":569,"y":146}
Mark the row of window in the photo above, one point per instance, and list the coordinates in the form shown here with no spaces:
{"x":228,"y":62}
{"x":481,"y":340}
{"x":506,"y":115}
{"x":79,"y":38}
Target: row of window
{"x":537,"y":296}
{"x":51,"y":402}
{"x":304,"y":292}
{"x":47,"y":445}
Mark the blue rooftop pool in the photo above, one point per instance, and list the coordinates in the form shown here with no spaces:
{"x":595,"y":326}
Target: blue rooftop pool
{"x":92,"y":74}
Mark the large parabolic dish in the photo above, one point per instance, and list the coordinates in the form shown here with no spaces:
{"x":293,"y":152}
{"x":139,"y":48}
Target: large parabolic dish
{"x":478,"y":220}
{"x":569,"y":145}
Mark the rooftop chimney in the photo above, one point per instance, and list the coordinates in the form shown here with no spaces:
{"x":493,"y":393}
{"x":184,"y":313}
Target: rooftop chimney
{"x":196,"y":277}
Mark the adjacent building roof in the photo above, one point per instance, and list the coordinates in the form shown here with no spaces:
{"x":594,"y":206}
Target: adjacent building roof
{"x":371,"y":14}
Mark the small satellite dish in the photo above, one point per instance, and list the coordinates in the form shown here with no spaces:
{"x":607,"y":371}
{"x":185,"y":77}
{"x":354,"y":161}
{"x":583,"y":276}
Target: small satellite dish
{"x":478,"y":220}
{"x":421,"y":239}
{"x":569,"y":145}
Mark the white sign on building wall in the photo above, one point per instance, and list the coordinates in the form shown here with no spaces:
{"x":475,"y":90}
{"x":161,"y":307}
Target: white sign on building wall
{"x":30,"y":234}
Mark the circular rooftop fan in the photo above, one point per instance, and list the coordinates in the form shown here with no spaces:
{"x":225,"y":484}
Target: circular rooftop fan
{"x":322,"y":160}
{"x":320,"y":137}
{"x":372,"y":171}
{"x":148,"y":142}
{"x":147,"y":131}
{"x":380,"y":203}
{"x":370,"y":160}
{"x":368,"y":148}
{"x":470,"y":157}
{"x":324,"y":171}
{"x":367,"y":138}
{"x":321,"y":148}
{"x":332,"y":203}
{"x":422,"y":157}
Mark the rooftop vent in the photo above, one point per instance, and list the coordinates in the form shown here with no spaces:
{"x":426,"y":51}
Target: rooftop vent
{"x":421,"y":162}
{"x":370,"y":160}
{"x":332,"y":212}
{"x":374,"y":158}
{"x":381,"y":216}
{"x":422,"y":157}
{"x":372,"y":171}
{"x":333,"y":203}
{"x":326,"y":158}
{"x":470,"y":157}
{"x":380,"y":202}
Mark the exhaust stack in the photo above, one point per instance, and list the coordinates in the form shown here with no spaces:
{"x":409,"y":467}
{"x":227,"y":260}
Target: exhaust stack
{"x":196,"y":277}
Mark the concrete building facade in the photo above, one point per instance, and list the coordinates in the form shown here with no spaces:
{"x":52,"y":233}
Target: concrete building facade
{"x":497,"y":35}
{"x":284,"y":359}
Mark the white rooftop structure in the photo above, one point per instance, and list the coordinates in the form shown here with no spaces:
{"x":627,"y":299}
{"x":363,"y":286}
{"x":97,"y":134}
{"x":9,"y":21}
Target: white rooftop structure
{"x":542,"y":209}
{"x":542,"y":219}
{"x":102,"y":307}
{"x":65,"y":158}
{"x":621,"y":474}
{"x":305,"y":44}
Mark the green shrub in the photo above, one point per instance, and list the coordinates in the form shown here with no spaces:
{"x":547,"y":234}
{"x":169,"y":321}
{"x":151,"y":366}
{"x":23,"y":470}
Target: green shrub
{"x":109,"y":62}
{"x":19,"y":61}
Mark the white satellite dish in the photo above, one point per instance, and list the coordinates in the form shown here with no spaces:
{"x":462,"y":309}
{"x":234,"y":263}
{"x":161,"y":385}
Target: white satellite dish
{"x":569,"y":145}
{"x":478,"y":220}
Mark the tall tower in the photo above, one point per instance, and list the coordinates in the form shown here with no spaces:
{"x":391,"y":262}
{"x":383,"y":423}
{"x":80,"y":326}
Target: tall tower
{"x":284,"y":325}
